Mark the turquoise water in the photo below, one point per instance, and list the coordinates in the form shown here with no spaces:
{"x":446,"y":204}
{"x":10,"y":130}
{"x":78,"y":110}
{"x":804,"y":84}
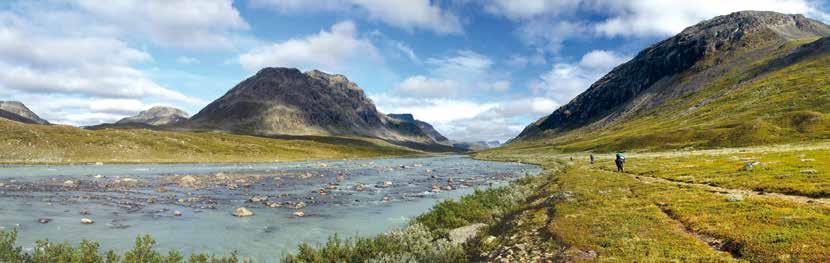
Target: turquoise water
{"x":121,"y":214}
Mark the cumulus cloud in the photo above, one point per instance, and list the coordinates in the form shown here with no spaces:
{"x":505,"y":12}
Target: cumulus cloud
{"x":203,"y":24}
{"x":421,"y":86}
{"x":470,"y":120}
{"x":566,"y":80}
{"x":326,"y":50}
{"x":48,"y":68}
{"x":465,"y":73}
{"x":405,"y":14}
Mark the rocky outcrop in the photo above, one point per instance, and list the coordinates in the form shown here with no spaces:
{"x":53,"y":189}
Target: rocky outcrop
{"x":16,"y":111}
{"x":677,"y":66}
{"x":407,"y":121}
{"x":285,"y":101}
{"x":157,"y":116}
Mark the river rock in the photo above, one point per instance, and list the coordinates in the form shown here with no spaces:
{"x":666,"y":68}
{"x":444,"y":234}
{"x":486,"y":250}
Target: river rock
{"x":464,"y":233}
{"x":187,"y":181}
{"x":242,"y":212}
{"x":177,"y":213}
{"x":385,"y":184}
{"x":299,"y":205}
{"x":87,"y":221}
{"x":299,"y":214}
{"x":44,"y":220}
{"x":258,"y":199}
{"x":69,"y":183}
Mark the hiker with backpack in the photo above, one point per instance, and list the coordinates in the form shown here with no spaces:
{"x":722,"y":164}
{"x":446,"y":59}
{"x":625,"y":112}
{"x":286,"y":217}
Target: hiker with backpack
{"x":620,"y":161}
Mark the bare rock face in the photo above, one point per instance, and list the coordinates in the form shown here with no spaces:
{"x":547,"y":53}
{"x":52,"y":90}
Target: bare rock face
{"x":16,"y":111}
{"x":677,"y":66}
{"x":156,"y":116}
{"x":285,"y":101}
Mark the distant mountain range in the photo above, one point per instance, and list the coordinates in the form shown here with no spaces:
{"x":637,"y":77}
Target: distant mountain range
{"x":283,"y":101}
{"x":158,"y":115}
{"x":739,"y":79}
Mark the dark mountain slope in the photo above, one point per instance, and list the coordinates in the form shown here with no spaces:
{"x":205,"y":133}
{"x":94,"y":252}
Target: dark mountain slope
{"x":16,"y":111}
{"x":666,"y":87}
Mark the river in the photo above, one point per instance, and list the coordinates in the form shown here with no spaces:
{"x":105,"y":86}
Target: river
{"x":349,"y":198}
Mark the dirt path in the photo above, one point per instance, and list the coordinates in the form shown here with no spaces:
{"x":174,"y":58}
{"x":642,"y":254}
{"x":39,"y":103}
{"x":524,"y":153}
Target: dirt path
{"x":743,"y":192}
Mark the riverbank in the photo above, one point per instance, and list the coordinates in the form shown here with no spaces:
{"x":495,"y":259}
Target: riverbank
{"x":58,"y":144}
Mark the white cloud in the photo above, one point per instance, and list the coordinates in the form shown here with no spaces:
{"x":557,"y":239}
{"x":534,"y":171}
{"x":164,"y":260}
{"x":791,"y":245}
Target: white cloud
{"x":67,"y":74}
{"x":470,"y":120}
{"x":549,"y":34}
{"x":529,"y":8}
{"x":662,"y":18}
{"x":405,"y":14}
{"x":411,"y":14}
{"x":566,"y":80}
{"x":327,"y":50}
{"x":421,"y":86}
{"x":202,"y":24}
{"x":464,"y":65}
{"x":404,"y":48}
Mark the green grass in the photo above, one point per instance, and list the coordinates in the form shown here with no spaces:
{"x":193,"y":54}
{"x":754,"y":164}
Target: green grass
{"x":794,"y":172}
{"x":625,"y":219}
{"x":33,"y":144}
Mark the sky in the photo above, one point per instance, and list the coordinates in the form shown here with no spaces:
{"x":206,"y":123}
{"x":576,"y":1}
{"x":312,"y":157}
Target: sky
{"x":475,"y":69}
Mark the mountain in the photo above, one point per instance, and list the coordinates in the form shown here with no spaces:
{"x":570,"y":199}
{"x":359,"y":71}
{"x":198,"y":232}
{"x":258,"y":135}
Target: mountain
{"x":155,"y":116}
{"x":476,"y":146}
{"x":285,"y":101}
{"x":740,"y":79}
{"x":423,"y":126}
{"x":16,"y":111}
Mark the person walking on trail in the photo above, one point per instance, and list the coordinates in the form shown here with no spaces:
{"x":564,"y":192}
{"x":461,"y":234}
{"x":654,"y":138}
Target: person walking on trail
{"x":591,"y":155}
{"x":620,"y":161}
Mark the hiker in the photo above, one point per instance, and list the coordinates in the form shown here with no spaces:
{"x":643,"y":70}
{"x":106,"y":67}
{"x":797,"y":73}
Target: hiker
{"x":592,"y":158}
{"x":620,"y":161}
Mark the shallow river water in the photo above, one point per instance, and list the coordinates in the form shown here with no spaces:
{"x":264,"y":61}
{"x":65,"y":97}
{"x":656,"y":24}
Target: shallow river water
{"x":345,"y":197}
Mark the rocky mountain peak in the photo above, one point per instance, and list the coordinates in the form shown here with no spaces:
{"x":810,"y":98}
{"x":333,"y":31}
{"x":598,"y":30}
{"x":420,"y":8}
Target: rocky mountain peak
{"x":157,"y":115}
{"x":19,"y":109}
{"x":403,"y":116}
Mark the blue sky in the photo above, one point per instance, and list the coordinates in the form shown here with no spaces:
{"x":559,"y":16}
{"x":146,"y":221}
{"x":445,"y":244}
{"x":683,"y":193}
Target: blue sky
{"x":477,"y":70}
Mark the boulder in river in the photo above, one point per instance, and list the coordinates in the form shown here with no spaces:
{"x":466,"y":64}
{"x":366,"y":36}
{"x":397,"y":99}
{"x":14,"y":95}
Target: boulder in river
{"x":70,"y":183}
{"x":242,"y":212}
{"x":44,"y":220}
{"x":87,"y":221}
{"x":187,"y":181}
{"x":177,"y":213}
{"x":258,"y":199}
{"x":299,"y":214}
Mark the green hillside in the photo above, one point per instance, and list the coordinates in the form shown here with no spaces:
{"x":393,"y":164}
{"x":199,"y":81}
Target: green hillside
{"x":32,"y":144}
{"x":749,"y":105}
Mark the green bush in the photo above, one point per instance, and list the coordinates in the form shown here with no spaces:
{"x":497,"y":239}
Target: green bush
{"x":88,"y":252}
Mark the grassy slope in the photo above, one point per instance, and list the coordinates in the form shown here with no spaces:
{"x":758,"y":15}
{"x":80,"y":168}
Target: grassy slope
{"x":24,"y":143}
{"x":624,"y":219}
{"x":787,"y":105}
